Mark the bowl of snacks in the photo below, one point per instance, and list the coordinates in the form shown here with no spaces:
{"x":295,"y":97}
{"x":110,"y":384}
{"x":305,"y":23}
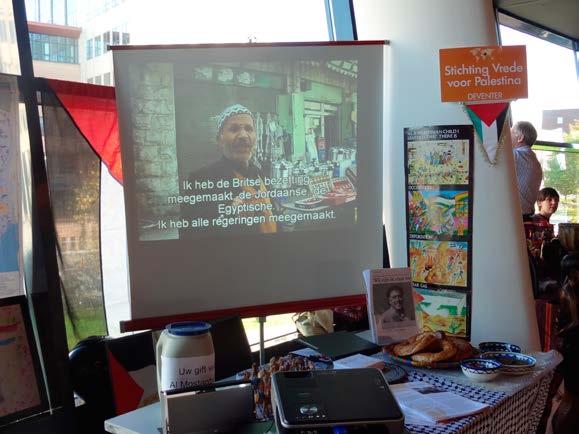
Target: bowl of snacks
{"x":260,"y":378}
{"x":480,"y":369}
{"x":512,"y":363}
{"x":434,"y":350}
{"x":486,"y":347}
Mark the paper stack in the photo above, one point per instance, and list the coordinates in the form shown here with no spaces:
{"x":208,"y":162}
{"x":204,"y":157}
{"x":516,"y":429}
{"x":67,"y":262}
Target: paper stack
{"x":425,"y":404}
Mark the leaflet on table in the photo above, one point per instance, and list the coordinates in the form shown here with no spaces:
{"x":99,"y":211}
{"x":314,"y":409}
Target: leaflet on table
{"x":359,"y":361}
{"x":306,"y":352}
{"x":422,"y":401}
{"x":391,"y":309}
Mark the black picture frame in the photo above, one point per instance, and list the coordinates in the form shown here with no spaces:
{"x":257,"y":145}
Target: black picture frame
{"x":15,"y":332}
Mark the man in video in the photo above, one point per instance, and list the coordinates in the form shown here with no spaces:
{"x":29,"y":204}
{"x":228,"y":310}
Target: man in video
{"x":230,"y":194}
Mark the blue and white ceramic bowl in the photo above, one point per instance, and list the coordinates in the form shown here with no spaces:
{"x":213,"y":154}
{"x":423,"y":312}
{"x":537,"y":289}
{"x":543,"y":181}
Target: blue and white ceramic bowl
{"x":512,"y":363}
{"x":486,"y":347}
{"x":480,"y":369}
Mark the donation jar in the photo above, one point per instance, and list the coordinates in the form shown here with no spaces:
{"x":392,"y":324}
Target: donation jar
{"x":185,"y":356}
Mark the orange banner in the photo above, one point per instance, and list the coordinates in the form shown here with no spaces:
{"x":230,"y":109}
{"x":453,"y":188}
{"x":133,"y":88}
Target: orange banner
{"x":483,"y":74}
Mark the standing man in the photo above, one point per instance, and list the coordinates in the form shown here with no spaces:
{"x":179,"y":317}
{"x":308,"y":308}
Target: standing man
{"x":527,"y":166}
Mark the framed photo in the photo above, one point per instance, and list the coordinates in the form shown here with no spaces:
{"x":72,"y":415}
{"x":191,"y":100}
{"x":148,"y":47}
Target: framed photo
{"x":21,"y":390}
{"x":390,"y":304}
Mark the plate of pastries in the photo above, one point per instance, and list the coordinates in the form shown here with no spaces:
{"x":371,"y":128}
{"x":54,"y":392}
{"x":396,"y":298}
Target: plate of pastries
{"x":435,"y":350}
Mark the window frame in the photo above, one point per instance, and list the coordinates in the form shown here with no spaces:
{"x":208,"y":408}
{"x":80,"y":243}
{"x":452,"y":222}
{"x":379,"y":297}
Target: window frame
{"x":530,"y":28}
{"x":52,"y":48}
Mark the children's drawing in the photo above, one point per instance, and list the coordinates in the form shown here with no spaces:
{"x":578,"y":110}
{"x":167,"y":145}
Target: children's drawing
{"x":438,"y":262}
{"x":438,"y":162}
{"x":438,"y":212}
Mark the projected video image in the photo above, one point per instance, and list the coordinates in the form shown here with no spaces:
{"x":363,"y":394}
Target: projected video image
{"x":257,"y":147}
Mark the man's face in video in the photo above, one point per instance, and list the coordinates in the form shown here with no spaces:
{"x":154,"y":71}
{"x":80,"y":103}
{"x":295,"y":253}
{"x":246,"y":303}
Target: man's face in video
{"x":237,"y":138}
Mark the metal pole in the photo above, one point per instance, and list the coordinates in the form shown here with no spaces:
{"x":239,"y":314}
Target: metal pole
{"x":43,"y":286}
{"x":262,"y":320}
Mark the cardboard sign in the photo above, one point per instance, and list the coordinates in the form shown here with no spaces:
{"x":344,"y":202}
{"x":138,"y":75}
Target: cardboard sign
{"x":483,"y":74}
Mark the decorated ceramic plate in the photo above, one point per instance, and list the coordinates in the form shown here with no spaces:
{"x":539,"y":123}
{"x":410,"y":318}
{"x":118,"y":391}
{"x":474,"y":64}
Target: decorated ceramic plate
{"x":486,"y":347}
{"x":512,"y":363}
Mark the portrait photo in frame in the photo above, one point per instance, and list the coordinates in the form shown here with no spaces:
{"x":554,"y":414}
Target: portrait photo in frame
{"x":21,"y":391}
{"x":390,"y":304}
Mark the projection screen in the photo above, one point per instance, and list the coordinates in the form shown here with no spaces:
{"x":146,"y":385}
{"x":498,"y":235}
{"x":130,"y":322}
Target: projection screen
{"x":252,"y":174}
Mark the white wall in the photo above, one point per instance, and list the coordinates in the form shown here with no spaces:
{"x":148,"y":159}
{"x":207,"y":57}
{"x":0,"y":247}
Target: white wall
{"x":60,"y":71}
{"x":503,"y":307}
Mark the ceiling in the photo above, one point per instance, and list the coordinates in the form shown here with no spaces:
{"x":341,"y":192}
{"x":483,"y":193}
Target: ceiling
{"x":560,"y":16}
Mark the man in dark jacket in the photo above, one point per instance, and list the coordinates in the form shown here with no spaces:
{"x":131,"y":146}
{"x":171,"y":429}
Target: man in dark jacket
{"x":230,"y":194}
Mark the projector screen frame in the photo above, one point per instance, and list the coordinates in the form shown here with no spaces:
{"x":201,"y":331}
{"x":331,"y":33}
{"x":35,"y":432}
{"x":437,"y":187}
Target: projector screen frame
{"x":257,"y":309}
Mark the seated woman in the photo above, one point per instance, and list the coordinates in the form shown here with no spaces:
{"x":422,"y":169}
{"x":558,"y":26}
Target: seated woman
{"x":543,"y":247}
{"x":539,"y":229}
{"x":548,"y":202}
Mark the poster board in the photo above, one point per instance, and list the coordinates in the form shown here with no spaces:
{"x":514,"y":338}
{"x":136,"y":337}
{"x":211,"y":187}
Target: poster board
{"x":439,"y":184}
{"x":21,"y":390}
{"x":11,"y":274}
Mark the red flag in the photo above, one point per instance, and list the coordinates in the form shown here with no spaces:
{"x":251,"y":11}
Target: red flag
{"x":126,"y":391}
{"x":93,"y":110}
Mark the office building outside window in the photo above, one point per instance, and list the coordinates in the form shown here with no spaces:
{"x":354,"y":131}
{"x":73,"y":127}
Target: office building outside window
{"x":9,"y":60}
{"x":51,"y":48}
{"x":61,"y":12}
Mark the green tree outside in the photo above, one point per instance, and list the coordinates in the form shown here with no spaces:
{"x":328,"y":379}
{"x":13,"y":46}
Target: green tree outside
{"x":562,"y":176}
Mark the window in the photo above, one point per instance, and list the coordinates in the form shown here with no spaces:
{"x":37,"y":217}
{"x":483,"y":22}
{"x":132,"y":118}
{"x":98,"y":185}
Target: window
{"x":98,"y":46}
{"x":182,"y":22}
{"x":52,"y":48}
{"x":561,"y":172}
{"x":277,"y":328}
{"x":89,"y":49}
{"x":60,"y":12}
{"x":106,"y":40}
{"x":553,"y":88}
{"x":553,"y":108}
{"x":258,"y":19}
